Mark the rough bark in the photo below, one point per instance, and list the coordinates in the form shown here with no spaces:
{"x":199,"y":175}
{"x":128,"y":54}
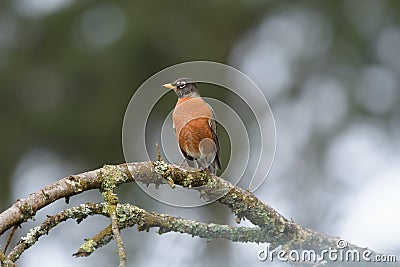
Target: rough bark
{"x":270,"y":226}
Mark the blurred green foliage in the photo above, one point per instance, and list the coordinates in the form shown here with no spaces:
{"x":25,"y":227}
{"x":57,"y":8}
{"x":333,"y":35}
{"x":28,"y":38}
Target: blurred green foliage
{"x":58,"y":91}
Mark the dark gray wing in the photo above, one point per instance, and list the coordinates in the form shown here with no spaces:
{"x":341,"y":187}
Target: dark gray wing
{"x":213,"y":126}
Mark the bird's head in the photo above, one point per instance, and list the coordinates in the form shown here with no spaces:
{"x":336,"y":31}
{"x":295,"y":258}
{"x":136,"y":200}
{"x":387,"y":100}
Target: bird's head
{"x":183,"y":87}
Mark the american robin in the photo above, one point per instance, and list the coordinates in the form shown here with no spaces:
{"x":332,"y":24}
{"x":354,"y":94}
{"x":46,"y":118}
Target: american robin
{"x":195,"y":127}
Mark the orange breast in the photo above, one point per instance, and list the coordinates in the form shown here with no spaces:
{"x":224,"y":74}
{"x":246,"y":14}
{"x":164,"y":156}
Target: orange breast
{"x":191,"y":121}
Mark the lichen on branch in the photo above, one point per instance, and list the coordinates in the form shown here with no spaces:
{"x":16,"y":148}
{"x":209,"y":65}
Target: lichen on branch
{"x":270,"y":226}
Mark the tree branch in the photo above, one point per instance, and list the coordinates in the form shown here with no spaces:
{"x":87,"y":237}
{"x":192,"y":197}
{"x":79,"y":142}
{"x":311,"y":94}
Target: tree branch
{"x":276,"y":229}
{"x":107,"y":191}
{"x":128,"y":216}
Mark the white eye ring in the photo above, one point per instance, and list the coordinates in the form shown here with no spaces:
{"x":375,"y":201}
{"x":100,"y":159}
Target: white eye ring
{"x":181,"y":84}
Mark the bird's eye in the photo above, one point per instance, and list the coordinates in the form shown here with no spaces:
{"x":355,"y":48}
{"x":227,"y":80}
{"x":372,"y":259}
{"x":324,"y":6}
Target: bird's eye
{"x":181,"y":85}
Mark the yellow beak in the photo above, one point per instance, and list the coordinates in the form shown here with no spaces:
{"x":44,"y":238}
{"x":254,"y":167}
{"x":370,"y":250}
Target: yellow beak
{"x":168,"y":85}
